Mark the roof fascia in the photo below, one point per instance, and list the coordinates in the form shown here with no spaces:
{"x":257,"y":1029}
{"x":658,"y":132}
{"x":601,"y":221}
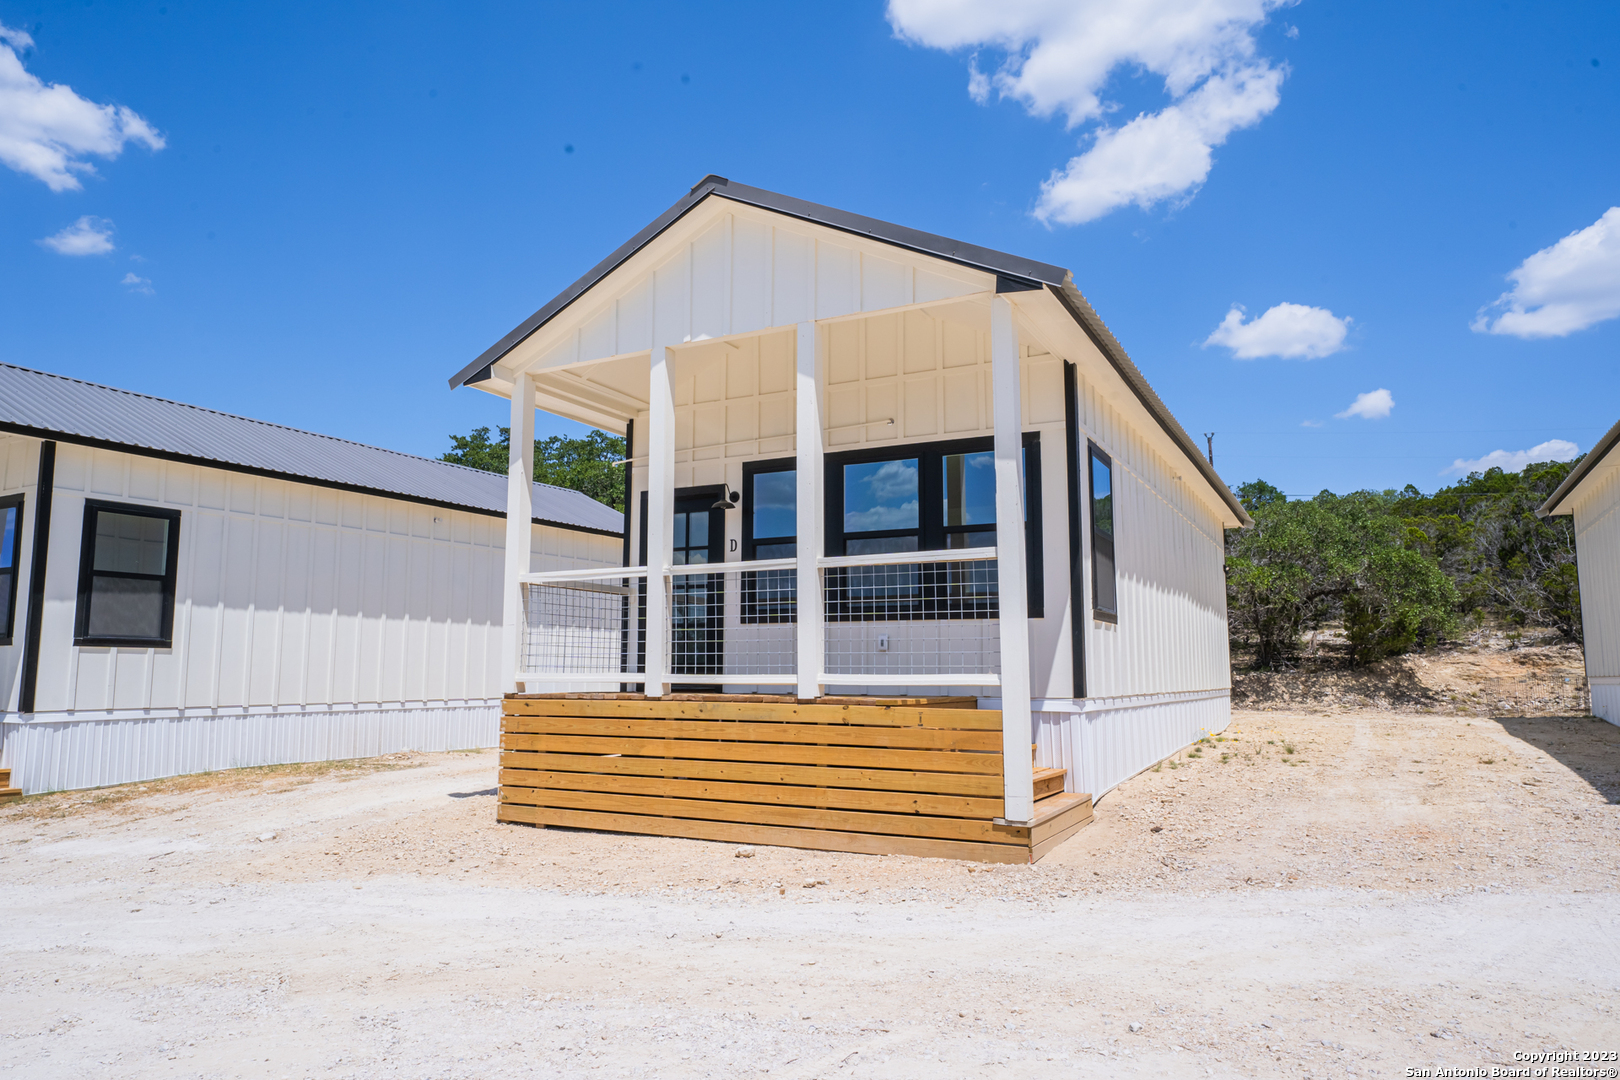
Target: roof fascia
{"x":272,"y":474}
{"x":1016,"y":268}
{"x":1589,"y":465}
{"x":1074,"y":308}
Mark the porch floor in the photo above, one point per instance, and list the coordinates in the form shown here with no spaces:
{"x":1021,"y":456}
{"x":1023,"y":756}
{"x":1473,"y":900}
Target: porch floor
{"x":881,"y":775}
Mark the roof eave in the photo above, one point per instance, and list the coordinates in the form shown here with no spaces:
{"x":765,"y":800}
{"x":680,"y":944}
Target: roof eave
{"x":1084,"y":314}
{"x":1594,"y":457}
{"x":1000,"y":263}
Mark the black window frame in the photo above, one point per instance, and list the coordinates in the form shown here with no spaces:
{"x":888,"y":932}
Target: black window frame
{"x":8,"y":624}
{"x":940,"y":596}
{"x":768,"y":597}
{"x":93,"y":508}
{"x":1099,"y":540}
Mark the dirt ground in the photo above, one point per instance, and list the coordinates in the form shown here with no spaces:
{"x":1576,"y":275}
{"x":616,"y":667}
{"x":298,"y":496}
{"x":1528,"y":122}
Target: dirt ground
{"x":1341,"y":893}
{"x":1491,"y":673}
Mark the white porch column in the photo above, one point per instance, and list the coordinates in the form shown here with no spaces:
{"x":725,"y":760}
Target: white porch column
{"x":660,"y":515}
{"x":1016,"y":729}
{"x":811,"y":657}
{"x":519,"y":521}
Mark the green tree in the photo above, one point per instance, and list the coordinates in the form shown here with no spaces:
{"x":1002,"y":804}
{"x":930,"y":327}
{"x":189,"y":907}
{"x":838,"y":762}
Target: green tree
{"x":585,"y":465}
{"x":1307,"y":562}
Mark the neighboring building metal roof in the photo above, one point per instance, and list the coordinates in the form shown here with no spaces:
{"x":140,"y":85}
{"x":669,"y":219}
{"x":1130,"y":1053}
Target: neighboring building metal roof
{"x":1592,"y":460}
{"x":1014,"y":271}
{"x":68,"y":410}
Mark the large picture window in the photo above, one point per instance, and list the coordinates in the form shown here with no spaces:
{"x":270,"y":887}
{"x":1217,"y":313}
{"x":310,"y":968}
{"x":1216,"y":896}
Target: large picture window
{"x":126,"y":576}
{"x":1105,"y":601}
{"x":929,"y":497}
{"x":10,"y":521}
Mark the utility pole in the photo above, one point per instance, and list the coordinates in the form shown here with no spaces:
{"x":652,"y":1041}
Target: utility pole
{"x":1209,"y":441}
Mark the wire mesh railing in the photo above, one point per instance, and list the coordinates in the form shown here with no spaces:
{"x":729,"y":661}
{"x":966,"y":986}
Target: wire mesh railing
{"x":903,"y":619}
{"x":913,"y":618}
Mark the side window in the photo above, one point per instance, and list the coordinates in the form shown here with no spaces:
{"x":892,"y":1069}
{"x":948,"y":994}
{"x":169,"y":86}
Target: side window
{"x":1104,"y":603}
{"x":126,"y":576}
{"x":10,"y":520}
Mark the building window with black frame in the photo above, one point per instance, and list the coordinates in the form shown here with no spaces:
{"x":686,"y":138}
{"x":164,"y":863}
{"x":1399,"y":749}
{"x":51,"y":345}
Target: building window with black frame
{"x":1105,"y":602}
{"x":770,"y":531}
{"x":928,"y":497}
{"x":127,"y":569}
{"x":11,"y":508}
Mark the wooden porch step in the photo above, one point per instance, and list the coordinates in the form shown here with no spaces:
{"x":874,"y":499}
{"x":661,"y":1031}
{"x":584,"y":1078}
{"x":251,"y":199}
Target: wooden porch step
{"x":7,"y":792}
{"x":1056,"y":819}
{"x":1049,"y":782}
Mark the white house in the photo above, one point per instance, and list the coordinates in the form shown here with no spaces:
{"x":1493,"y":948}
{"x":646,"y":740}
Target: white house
{"x":185,"y":590}
{"x":895,"y":427}
{"x":1591,"y":495}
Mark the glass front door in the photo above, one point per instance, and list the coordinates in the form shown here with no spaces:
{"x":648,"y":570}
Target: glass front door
{"x":697,"y":601}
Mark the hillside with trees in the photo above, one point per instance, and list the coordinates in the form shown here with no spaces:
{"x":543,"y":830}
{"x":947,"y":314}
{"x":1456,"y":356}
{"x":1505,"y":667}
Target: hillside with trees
{"x":1392,"y":570}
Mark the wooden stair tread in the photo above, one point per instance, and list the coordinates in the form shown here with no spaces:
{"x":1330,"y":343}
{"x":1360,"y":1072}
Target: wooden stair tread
{"x":1043,"y":773}
{"x":1049,"y":808}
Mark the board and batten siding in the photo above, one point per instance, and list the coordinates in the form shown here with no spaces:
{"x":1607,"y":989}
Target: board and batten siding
{"x":1597,"y":555}
{"x":309,"y":624}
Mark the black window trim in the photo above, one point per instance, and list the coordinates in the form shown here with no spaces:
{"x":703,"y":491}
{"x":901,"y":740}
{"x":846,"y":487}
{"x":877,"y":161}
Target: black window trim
{"x":87,"y":573}
{"x":931,"y":534}
{"x":750,"y":608}
{"x":10,"y":622}
{"x":1094,"y":454}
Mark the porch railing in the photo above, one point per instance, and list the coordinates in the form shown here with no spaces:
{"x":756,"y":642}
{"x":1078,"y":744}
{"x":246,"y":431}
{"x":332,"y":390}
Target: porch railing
{"x":899,"y":619}
{"x":913,"y":618}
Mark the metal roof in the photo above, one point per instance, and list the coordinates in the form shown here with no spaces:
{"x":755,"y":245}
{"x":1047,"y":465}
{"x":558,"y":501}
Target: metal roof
{"x":1594,"y":457}
{"x":1013,"y":273}
{"x":50,"y":406}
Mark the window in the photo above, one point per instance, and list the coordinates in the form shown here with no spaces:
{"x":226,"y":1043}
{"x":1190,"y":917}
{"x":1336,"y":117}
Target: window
{"x":930,"y":497}
{"x":126,"y":576}
{"x":1104,"y":602}
{"x":770,"y":531}
{"x":10,"y":519}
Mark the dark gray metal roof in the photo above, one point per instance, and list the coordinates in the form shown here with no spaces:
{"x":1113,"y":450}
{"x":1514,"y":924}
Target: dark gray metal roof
{"x":1593,"y":458}
{"x":68,"y":410}
{"x":1013,"y":273}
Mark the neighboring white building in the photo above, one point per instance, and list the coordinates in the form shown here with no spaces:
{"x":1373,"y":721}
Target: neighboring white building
{"x":880,"y":409}
{"x":1591,"y":495}
{"x":219,"y":592}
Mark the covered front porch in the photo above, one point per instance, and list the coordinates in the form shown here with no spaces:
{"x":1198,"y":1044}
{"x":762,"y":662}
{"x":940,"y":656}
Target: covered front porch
{"x":836,"y":501}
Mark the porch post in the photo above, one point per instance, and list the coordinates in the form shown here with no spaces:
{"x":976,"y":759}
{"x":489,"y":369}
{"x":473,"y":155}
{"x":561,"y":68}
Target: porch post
{"x":519,"y":520}
{"x":810,"y":659}
{"x":1016,"y":729}
{"x":660,"y":516}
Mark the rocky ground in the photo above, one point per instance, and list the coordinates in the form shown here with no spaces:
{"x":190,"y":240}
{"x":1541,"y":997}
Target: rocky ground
{"x":1490,"y":673}
{"x":1326,"y":893}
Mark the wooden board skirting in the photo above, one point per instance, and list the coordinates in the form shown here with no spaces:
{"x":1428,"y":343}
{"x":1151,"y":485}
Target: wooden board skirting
{"x":883,"y":776}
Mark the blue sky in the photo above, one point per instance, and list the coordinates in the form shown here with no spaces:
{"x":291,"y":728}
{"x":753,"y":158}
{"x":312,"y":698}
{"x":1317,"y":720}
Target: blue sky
{"x":320,"y":212}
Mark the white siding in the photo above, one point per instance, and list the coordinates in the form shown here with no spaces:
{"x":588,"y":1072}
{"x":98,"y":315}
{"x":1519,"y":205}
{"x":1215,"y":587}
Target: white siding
{"x":1597,"y":552}
{"x":99,"y":749}
{"x":1106,"y":741}
{"x":740,"y":271}
{"x":1169,"y":553}
{"x":308,"y":622}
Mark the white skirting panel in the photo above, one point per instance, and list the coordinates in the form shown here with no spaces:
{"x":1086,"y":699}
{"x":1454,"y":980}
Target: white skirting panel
{"x":62,"y":751}
{"x":1606,"y":699}
{"x":1105,"y":741}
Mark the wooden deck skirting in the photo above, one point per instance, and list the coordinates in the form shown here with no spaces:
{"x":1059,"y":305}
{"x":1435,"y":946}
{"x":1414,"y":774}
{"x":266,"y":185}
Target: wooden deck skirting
{"x":877,"y":775}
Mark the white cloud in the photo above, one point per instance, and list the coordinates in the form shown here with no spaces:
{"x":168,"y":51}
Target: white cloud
{"x":87,"y":236}
{"x":1564,"y":288}
{"x":1060,"y":55}
{"x":47,"y":130}
{"x":137,"y":283}
{"x":1515,"y":460}
{"x":1291,"y":331}
{"x":1373,"y":405}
